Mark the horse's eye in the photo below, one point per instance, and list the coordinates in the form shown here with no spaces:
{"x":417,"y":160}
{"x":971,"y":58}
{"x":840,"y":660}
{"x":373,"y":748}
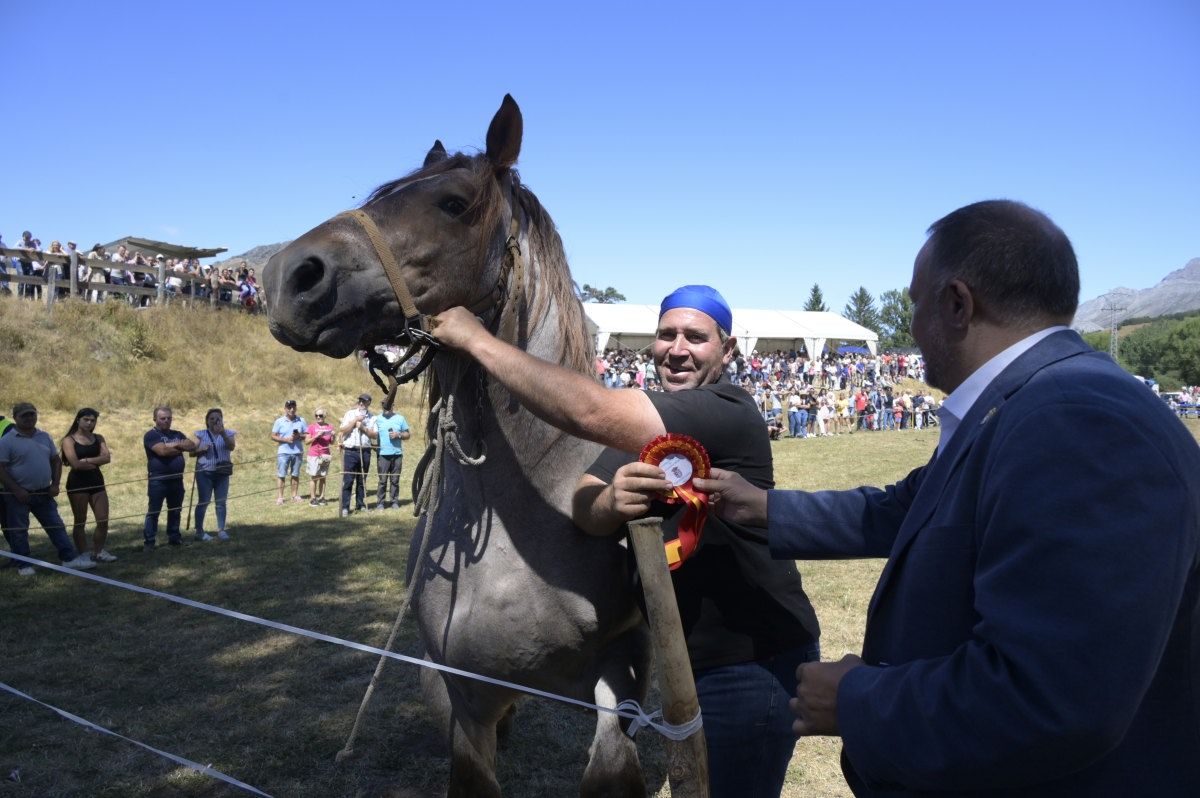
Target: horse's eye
{"x":453,"y":206}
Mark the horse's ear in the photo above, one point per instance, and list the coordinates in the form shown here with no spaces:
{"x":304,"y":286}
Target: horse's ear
{"x":436,"y":153}
{"x":504,"y":135}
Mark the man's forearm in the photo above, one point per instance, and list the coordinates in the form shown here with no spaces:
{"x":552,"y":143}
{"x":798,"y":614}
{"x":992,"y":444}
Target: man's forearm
{"x":568,"y":400}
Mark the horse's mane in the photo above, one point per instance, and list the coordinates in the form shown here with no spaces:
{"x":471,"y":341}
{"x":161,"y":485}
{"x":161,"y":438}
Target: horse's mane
{"x":548,"y":276}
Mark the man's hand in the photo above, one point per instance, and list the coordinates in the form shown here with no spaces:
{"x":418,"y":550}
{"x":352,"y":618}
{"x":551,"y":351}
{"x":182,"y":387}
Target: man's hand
{"x":815,"y":704}
{"x":186,"y":445}
{"x":456,"y":327}
{"x":20,"y":494}
{"x":634,"y":486}
{"x":733,"y":498}
{"x":52,"y":491}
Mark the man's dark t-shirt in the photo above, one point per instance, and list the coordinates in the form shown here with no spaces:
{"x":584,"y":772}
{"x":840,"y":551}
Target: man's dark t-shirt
{"x":156,"y":465}
{"x":736,"y":603}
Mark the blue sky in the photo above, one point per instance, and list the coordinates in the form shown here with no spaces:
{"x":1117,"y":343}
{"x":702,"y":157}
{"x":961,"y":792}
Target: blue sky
{"x":759,"y":147}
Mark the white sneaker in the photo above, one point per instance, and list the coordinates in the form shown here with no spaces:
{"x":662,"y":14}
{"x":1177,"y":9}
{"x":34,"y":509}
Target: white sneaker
{"x":104,"y":556}
{"x":25,"y":570}
{"x":203,"y":537}
{"x":223,"y":535}
{"x":82,"y":563}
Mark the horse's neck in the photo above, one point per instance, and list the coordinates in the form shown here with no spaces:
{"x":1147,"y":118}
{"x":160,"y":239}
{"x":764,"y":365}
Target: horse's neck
{"x":515,"y":438}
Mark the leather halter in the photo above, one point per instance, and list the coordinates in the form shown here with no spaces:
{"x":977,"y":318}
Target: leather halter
{"x":416,"y":324}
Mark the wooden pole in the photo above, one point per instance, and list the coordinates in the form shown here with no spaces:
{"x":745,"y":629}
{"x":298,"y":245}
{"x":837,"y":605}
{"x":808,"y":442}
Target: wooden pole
{"x":687,"y":760}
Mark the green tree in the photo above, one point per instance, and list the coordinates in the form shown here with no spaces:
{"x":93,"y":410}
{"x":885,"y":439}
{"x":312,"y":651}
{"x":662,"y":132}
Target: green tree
{"x":1181,"y":353}
{"x":816,"y":300}
{"x":861,"y":309}
{"x":606,"y":296}
{"x":895,"y":318}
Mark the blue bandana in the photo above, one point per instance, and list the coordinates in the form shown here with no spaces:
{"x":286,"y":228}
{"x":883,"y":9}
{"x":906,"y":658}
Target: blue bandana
{"x":701,"y":298}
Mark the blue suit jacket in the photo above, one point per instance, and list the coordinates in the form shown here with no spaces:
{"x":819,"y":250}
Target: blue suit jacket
{"x":1036,"y":630}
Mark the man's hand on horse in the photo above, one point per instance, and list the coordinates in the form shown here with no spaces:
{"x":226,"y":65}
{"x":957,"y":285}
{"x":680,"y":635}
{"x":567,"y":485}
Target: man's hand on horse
{"x":734,"y":498}
{"x":815,"y":704}
{"x":456,"y":327}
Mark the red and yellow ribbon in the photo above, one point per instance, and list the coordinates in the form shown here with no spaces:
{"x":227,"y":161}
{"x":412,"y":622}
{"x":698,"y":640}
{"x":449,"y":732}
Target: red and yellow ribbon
{"x":682,"y":459}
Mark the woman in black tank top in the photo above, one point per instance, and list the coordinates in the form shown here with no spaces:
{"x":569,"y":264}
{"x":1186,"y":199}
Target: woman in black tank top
{"x":85,"y":453}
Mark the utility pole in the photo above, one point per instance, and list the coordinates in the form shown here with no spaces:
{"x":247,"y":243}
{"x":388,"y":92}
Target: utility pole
{"x":1113,"y":308}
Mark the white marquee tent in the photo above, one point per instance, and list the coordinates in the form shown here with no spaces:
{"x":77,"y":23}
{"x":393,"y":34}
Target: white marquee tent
{"x":632,"y":326}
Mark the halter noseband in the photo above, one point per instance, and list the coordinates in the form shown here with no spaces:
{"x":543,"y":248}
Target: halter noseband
{"x":416,"y":324}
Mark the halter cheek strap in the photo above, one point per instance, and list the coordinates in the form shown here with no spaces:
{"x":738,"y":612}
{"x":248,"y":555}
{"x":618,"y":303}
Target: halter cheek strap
{"x":392,"y":269}
{"x":512,"y":273}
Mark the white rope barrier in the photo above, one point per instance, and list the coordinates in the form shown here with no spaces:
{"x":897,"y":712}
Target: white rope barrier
{"x":206,"y":770}
{"x":629,"y":709}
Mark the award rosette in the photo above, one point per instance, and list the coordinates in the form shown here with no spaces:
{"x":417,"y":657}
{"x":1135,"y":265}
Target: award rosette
{"x":682,"y":458}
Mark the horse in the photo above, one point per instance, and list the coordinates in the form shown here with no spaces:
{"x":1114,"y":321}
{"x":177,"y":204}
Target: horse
{"x":508,"y":586}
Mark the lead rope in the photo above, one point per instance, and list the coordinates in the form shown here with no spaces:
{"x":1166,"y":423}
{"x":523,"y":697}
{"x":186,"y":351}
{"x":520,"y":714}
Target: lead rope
{"x":427,"y":500}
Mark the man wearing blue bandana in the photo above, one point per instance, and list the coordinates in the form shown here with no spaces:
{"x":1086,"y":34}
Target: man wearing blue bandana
{"x":746,"y":619}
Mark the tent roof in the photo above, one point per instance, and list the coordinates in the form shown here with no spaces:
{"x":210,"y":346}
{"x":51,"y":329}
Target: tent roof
{"x":167,"y":250}
{"x":764,"y":325}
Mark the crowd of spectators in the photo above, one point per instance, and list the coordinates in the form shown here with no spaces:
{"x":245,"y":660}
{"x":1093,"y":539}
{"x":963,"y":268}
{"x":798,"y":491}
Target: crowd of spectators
{"x":835,"y":394}
{"x":97,"y":270}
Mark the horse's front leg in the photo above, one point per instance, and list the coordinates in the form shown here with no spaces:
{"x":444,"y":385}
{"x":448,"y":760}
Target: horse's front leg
{"x":469,"y":722}
{"x":613,"y":768}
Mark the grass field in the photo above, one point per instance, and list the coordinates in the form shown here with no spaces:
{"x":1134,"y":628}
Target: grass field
{"x":266,"y":707}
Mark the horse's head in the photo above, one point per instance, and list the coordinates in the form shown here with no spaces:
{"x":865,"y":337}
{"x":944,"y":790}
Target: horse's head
{"x":445,"y":225}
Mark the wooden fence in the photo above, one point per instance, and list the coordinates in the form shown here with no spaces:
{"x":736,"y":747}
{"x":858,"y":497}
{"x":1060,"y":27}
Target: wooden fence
{"x":188,"y":294}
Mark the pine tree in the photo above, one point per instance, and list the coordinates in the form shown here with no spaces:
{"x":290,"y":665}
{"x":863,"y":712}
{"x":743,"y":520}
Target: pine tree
{"x":861,"y":309}
{"x":816,"y":300}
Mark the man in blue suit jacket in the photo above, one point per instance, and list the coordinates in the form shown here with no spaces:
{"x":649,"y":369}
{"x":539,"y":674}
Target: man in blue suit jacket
{"x":1036,"y":630}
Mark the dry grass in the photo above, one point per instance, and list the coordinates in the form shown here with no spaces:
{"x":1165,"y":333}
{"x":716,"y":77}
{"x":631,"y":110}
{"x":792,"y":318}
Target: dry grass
{"x":269,"y":708}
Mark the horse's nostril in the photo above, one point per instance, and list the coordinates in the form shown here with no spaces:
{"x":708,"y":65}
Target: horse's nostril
{"x":307,"y":275}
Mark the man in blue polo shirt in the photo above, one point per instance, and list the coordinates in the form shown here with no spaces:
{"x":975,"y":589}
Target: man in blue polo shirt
{"x":30,"y":471}
{"x":164,"y":465}
{"x":288,"y":431}
{"x":390,"y":429}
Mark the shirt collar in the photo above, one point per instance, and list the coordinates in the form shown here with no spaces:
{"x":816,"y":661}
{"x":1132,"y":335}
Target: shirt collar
{"x":956,"y":406}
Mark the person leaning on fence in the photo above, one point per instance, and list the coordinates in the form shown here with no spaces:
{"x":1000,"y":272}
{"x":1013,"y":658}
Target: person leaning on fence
{"x":214,"y":467}
{"x":320,"y":441}
{"x":30,"y":473}
{"x":356,"y":453}
{"x":390,"y":429}
{"x":164,"y":467}
{"x":85,"y":452}
{"x":288,"y":431}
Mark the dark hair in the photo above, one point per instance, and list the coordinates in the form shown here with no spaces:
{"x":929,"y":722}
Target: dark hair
{"x":1018,"y":264}
{"x":210,"y":411}
{"x":86,"y":411}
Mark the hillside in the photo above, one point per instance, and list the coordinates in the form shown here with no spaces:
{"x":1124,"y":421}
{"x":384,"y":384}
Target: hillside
{"x":114,"y":357}
{"x":256,"y":258}
{"x":1178,"y":292}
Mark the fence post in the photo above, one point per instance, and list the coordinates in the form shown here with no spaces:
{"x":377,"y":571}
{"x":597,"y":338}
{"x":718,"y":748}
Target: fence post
{"x":687,"y":759}
{"x":162,"y":289}
{"x":51,"y":272}
{"x":73,"y":265}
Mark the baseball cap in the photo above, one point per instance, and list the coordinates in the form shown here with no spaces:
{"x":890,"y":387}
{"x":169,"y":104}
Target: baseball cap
{"x":364,"y":397}
{"x":290,"y":403}
{"x":20,"y":408}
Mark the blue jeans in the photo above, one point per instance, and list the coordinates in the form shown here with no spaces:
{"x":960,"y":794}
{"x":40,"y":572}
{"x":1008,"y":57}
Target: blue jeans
{"x":172,"y":491}
{"x":208,"y":483}
{"x":747,"y":723}
{"x":45,"y":510}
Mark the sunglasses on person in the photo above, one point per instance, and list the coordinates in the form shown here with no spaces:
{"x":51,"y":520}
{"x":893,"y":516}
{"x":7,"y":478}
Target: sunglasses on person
{"x":320,"y":415}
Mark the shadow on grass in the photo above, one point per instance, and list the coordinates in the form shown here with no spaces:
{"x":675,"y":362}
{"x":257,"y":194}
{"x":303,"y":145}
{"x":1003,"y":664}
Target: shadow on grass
{"x":269,"y":708}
